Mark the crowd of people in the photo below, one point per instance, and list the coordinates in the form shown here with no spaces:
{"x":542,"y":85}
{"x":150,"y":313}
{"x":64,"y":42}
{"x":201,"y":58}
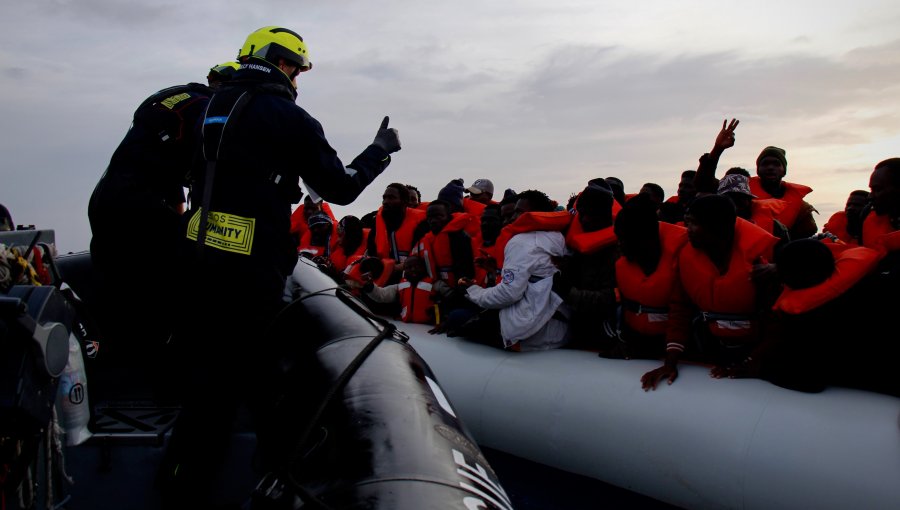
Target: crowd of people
{"x":732,"y":271}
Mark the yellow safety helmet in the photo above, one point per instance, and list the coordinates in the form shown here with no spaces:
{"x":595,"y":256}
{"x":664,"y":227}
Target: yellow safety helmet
{"x":272,"y":43}
{"x":222,"y":72}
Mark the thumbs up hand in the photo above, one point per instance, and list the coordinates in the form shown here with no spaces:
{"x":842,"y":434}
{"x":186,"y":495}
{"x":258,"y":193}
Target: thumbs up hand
{"x":387,"y":138}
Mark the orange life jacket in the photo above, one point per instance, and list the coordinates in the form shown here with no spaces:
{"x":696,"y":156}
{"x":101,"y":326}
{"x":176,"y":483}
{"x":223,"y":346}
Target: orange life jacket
{"x":588,"y":242}
{"x":340,"y":260}
{"x":415,"y":301}
{"x":878,"y":233}
{"x":764,"y":212}
{"x":793,"y":198}
{"x":325,"y":251}
{"x":396,"y":245}
{"x":473,"y":207}
{"x":435,"y":249}
{"x":850,"y":266}
{"x":556,"y":221}
{"x":474,"y":210}
{"x":728,"y":300}
{"x":353,"y":272}
{"x":298,"y":221}
{"x":479,"y":250}
{"x":837,"y":225}
{"x":645,"y":299}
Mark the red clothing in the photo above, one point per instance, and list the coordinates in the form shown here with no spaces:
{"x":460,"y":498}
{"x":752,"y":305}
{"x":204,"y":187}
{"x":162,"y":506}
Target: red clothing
{"x":879,"y":234}
{"x":435,"y":249}
{"x":556,"y":221}
{"x":479,"y":250}
{"x":731,"y":295}
{"x":793,"y":198}
{"x":645,"y":297}
{"x":298,"y":221}
{"x":589,"y":242}
{"x":353,"y":272}
{"x":325,"y":251}
{"x":850,"y":266}
{"x":340,"y":259}
{"x":416,"y":301}
{"x":764,"y":212}
{"x":837,"y":225}
{"x":398,"y":244}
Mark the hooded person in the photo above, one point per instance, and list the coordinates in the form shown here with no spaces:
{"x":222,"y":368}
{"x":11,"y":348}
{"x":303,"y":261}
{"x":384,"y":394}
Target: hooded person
{"x":454,"y":194}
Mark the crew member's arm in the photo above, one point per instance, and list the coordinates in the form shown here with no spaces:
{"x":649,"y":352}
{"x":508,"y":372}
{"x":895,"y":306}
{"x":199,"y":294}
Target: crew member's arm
{"x":322,"y":170}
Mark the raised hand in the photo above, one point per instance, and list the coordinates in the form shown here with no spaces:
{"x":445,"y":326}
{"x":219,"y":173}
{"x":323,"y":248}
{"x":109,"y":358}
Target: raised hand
{"x":387,"y":138}
{"x":725,"y":138}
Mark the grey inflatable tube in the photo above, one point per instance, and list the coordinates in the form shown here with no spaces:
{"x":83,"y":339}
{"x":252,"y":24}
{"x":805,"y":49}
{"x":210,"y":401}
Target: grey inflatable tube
{"x":699,"y":443}
{"x":389,"y":438}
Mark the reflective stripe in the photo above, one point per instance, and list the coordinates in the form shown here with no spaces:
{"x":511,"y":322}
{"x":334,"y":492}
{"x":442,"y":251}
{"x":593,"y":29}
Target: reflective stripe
{"x":215,"y":120}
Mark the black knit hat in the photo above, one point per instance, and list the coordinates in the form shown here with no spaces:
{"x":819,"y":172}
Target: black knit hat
{"x":452,"y":193}
{"x":775,"y":152}
{"x":596,"y":197}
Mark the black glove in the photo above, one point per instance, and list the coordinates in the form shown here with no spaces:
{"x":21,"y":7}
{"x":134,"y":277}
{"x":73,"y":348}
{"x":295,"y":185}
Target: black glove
{"x":387,"y":138}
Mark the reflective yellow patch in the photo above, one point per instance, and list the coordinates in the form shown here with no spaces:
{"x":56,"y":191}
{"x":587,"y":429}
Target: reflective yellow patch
{"x":226,"y":232}
{"x":170,"y":102}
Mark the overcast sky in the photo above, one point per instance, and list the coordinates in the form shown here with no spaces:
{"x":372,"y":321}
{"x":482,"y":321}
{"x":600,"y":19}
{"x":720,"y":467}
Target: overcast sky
{"x":531,"y":94}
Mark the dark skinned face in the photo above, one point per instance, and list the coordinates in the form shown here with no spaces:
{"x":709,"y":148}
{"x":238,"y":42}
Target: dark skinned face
{"x":884,"y":195}
{"x":437,"y":217}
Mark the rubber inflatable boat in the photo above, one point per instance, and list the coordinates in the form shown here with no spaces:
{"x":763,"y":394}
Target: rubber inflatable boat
{"x":408,"y":423}
{"x":382,"y":433}
{"x":698,"y":443}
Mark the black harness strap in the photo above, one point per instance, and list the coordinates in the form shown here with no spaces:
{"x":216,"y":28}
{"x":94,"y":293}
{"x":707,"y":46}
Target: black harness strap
{"x":212,"y":152}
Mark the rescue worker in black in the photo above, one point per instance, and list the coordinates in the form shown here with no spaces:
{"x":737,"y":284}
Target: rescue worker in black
{"x":135,"y":217}
{"x":257,"y":146}
{"x":221,"y":73}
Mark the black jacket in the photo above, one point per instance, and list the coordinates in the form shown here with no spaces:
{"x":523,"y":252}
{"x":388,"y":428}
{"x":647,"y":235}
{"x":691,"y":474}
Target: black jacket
{"x":266,"y":148}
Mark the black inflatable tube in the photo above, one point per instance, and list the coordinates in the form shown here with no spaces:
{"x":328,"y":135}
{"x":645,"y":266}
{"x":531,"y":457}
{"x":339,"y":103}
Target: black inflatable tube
{"x":389,"y":438}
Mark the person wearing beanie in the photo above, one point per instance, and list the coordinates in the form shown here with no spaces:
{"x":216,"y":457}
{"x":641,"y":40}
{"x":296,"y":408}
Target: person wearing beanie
{"x":317,"y":242}
{"x":300,"y":216}
{"x":453,"y":193}
{"x":771,"y":167}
